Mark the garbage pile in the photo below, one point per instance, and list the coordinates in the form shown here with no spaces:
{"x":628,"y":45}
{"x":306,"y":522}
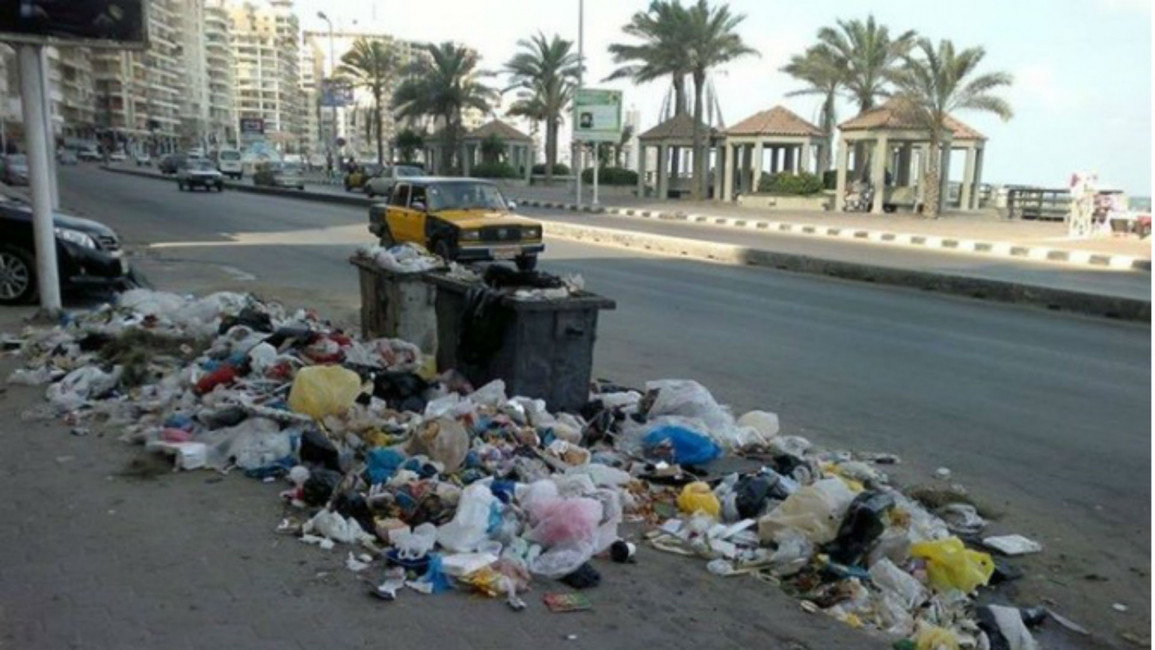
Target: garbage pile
{"x":427,"y":483}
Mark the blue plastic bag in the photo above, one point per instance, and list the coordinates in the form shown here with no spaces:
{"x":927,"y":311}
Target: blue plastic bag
{"x":383,"y":464}
{"x":680,"y":445}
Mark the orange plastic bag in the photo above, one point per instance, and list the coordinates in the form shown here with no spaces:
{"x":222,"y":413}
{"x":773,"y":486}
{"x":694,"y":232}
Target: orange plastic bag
{"x":950,"y":565}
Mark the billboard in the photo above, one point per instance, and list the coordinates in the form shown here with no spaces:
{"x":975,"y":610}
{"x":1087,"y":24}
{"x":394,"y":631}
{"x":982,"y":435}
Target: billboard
{"x":115,"y":24}
{"x":597,"y":115}
{"x":252,"y":129}
{"x":336,"y":93}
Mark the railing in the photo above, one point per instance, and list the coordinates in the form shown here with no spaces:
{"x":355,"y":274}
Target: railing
{"x":1038,"y":204}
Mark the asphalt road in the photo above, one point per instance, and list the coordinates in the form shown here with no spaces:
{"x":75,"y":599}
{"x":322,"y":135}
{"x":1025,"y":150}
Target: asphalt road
{"x":1045,"y":418}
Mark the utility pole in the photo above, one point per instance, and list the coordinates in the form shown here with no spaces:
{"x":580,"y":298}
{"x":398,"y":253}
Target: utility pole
{"x":579,"y":150}
{"x":32,"y":72}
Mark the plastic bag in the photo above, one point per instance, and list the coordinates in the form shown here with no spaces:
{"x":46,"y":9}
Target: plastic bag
{"x":1008,"y":623}
{"x":382,"y":464}
{"x":81,"y":385}
{"x":444,"y":440}
{"x":687,"y":398}
{"x":793,"y":552}
{"x":337,"y":528}
{"x":254,"y":443}
{"x":697,"y":497}
{"x":764,"y":425}
{"x":950,"y":565}
{"x":491,"y":394}
{"x":470,"y":522}
{"x":561,"y":561}
{"x":815,"y":510}
{"x":564,"y":522}
{"x":930,"y":637}
{"x":324,"y":390}
{"x":892,"y":580}
{"x":680,"y":445}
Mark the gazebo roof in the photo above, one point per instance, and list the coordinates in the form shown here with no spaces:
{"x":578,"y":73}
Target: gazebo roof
{"x":500,"y":129}
{"x":775,"y":121}
{"x":678,"y":127}
{"x":890,"y":116}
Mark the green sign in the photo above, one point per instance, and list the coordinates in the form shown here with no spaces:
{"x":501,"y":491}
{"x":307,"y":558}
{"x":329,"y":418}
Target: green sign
{"x":597,"y":115}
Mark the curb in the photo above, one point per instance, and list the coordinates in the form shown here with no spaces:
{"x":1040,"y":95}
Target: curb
{"x":991,"y":248}
{"x":301,"y":195}
{"x":983,"y":289}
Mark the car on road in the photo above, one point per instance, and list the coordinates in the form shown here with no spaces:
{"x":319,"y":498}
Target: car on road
{"x":14,"y":169}
{"x":199,"y":173}
{"x":278,"y":174}
{"x":88,"y":154}
{"x":88,"y":253}
{"x":230,"y":164}
{"x":382,"y":184}
{"x":118,"y":156}
{"x":66,"y":157}
{"x":356,"y":179}
{"x":172,"y":162}
{"x":462,"y":219}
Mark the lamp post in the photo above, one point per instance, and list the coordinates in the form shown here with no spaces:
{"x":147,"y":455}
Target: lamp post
{"x":329,"y":74}
{"x":579,"y":148}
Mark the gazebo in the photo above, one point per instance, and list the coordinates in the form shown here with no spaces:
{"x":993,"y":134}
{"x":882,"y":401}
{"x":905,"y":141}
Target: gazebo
{"x":896,"y":140}
{"x":518,"y":147}
{"x":790,"y":140}
{"x":670,"y":137}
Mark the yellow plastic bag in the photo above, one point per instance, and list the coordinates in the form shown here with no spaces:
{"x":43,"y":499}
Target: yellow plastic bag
{"x":324,"y":390}
{"x":930,"y":637}
{"x":698,"y":496}
{"x":950,"y":565}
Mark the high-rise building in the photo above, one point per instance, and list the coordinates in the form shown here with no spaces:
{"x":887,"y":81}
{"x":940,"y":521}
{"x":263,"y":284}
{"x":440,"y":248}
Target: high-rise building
{"x":221,"y":74}
{"x":265,"y":43}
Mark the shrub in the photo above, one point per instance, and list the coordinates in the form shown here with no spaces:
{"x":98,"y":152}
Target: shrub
{"x":829,"y":179}
{"x":611,"y":176}
{"x":493,"y":170}
{"x":559,"y":169}
{"x":789,"y":184}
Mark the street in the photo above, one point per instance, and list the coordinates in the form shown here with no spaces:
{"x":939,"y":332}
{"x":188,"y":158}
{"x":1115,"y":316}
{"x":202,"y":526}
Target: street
{"x":1045,"y":418}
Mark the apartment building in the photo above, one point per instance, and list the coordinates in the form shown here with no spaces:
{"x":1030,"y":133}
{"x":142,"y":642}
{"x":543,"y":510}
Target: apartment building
{"x":265,"y":47}
{"x":218,"y":53}
{"x":71,"y":96}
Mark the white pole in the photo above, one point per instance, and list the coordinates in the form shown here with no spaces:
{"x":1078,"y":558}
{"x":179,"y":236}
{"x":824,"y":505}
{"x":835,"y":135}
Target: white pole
{"x":46,"y":91}
{"x":581,"y":74}
{"x":36,"y":143}
{"x":597,"y":162}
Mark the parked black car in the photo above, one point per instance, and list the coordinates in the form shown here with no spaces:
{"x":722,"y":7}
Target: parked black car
{"x":88,"y":254}
{"x":171,"y":163}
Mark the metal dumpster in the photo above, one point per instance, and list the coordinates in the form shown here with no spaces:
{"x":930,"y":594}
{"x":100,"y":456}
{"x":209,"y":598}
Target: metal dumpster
{"x":540,"y":348}
{"x":396,"y":305}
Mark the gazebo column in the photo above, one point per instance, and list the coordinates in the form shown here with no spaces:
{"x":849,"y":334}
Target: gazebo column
{"x":840,"y":175}
{"x":466,"y":159}
{"x":979,"y":153}
{"x":788,"y":161}
{"x":728,"y":173}
{"x":920,"y":172}
{"x":944,"y":180}
{"x":664,"y":171}
{"x":878,"y":173}
{"x":902,"y":174}
{"x":528,"y":163}
{"x":641,"y":170}
{"x":968,"y":189}
{"x":808,"y":163}
{"x":756,"y":171}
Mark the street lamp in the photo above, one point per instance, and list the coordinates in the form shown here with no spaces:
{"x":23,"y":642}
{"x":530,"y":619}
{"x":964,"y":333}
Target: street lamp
{"x":332,"y":62}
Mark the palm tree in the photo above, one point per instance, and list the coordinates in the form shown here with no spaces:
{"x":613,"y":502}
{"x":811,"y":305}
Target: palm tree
{"x":938,"y":83}
{"x":371,"y":64}
{"x":662,"y":51}
{"x":442,"y":86}
{"x":627,"y":135}
{"x":407,"y":143}
{"x":819,"y":70}
{"x":867,"y":55}
{"x":710,"y":42}
{"x":546,"y":71}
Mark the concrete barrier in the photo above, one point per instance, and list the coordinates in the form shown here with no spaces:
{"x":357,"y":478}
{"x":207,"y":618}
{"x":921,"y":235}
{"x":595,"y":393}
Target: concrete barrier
{"x":979,"y":288}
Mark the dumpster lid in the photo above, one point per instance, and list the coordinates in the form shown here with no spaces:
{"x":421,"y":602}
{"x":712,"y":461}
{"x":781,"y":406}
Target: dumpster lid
{"x":575,"y":301}
{"x":371,"y":265}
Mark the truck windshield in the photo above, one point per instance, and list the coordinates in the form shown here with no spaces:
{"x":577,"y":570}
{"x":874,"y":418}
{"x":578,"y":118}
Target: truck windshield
{"x":465,"y":196}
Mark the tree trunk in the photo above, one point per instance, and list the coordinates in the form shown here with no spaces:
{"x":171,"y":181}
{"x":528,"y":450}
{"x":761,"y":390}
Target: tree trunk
{"x":551,"y":129}
{"x":931,"y":187}
{"x":679,"y":94}
{"x":380,"y":135}
{"x":698,"y":181}
{"x":448,"y":144}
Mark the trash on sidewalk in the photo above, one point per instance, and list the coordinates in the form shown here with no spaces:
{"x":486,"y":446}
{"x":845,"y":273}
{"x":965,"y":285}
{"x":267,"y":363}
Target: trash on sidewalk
{"x":1012,"y":545}
{"x":430,"y":485}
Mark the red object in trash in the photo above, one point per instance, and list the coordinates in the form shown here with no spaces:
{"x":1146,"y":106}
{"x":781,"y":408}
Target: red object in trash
{"x":223,"y":375}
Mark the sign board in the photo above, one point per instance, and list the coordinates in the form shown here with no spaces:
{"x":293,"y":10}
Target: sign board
{"x":252,"y":129}
{"x":109,"y":24}
{"x":336,"y":93}
{"x":598,"y":115}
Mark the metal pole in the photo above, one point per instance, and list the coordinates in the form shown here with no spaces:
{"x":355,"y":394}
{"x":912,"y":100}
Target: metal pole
{"x":581,"y":74}
{"x":597,"y":163}
{"x":46,"y":93}
{"x":39,"y":170}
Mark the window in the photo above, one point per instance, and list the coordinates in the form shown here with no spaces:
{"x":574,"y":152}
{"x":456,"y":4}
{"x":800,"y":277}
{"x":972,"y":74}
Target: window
{"x":400,"y":196}
{"x":418,"y":196}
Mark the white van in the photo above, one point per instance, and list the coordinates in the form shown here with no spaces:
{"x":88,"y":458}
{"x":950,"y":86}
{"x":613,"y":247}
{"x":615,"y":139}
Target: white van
{"x":229,"y":163}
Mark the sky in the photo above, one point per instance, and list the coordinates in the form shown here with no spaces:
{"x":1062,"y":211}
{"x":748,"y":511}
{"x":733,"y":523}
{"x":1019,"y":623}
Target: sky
{"x":1082,"y":68}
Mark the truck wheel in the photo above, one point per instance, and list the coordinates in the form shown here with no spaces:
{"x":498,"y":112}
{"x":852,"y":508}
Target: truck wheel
{"x":17,"y":276}
{"x":526,"y":262}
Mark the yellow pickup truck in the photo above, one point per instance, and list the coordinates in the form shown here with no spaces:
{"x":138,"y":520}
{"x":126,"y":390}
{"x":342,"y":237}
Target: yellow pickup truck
{"x":462,"y":219}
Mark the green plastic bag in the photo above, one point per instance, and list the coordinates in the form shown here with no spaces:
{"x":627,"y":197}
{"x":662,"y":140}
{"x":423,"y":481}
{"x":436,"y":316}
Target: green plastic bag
{"x":324,"y":390}
{"x":950,"y":565}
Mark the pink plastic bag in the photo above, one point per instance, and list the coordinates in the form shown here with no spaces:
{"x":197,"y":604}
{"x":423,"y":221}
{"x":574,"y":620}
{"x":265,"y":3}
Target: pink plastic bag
{"x":559,"y":522}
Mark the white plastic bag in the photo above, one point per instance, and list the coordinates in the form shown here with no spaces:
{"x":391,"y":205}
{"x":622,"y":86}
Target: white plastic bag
{"x":892,"y":580}
{"x":764,"y":425}
{"x":81,"y":385}
{"x":1013,"y":629}
{"x":470,"y":522}
{"x":491,"y":394}
{"x":561,"y":561}
{"x":815,"y":510}
{"x":332,"y":525}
